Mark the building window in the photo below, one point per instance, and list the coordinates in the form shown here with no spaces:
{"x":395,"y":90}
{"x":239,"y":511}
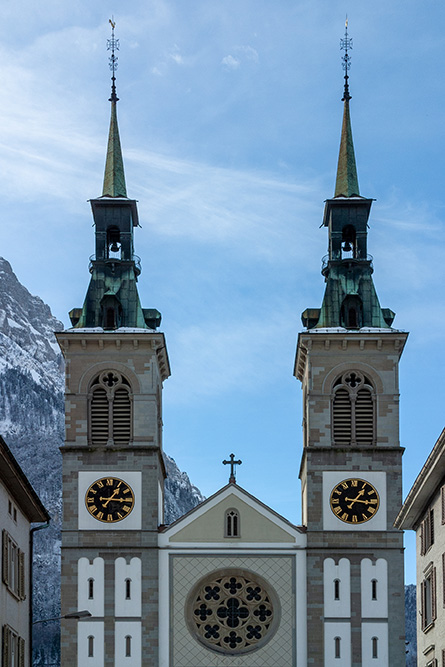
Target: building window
{"x":353,"y":419}
{"x":128,"y":589}
{"x":13,"y":566}
{"x":91,"y":589}
{"x":428,"y":599}
{"x":13,"y":648}
{"x":91,"y":646}
{"x":128,"y":646}
{"x":232,"y":523}
{"x":375,"y":647}
{"x":374,"y":589}
{"x":110,"y":409}
{"x":336,"y":589}
{"x":337,"y":647}
{"x":351,"y":312}
{"x":427,"y":532}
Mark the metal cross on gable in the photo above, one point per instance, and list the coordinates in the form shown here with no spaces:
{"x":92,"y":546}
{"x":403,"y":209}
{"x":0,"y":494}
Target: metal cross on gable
{"x":232,"y":463}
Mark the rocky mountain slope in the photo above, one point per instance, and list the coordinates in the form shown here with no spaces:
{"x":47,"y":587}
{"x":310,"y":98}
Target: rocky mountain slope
{"x":32,"y":424}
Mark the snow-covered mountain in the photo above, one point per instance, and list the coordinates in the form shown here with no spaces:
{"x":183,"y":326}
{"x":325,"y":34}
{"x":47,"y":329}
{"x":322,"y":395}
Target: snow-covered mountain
{"x":32,"y":424}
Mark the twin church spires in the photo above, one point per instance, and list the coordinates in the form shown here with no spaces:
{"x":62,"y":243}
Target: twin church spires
{"x":350,"y":299}
{"x":112,"y":299}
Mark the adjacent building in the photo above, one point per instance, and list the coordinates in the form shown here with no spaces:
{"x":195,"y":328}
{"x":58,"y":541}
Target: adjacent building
{"x":20,"y":506}
{"x":424,"y":512}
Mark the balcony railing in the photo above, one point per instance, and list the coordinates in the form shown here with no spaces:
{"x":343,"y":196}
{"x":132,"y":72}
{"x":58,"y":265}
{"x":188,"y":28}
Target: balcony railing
{"x":340,"y":260}
{"x":116,"y":260}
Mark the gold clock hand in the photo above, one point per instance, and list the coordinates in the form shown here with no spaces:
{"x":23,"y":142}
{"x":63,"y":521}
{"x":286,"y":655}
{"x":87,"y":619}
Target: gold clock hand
{"x":107,"y":500}
{"x":354,"y":500}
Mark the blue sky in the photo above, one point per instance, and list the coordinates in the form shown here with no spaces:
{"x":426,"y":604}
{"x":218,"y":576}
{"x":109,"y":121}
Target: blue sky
{"x":230,"y":118}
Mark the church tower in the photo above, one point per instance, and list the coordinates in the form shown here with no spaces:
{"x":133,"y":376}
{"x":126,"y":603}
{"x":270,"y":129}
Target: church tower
{"x":351,"y":469}
{"x":113,"y":468}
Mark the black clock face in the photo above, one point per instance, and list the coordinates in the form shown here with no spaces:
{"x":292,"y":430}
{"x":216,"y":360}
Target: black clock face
{"x":109,"y":499}
{"x":354,"y":501}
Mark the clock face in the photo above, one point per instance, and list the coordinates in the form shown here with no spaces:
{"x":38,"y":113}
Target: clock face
{"x":354,"y":501}
{"x":109,"y":499}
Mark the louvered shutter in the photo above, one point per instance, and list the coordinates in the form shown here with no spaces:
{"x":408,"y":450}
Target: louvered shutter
{"x":21,"y":649}
{"x":21,"y":591}
{"x":433,"y":595}
{"x":442,"y":493}
{"x":99,"y":417}
{"x":443,"y":582}
{"x":431,"y":518}
{"x":5,"y":558}
{"x":342,"y":417}
{"x":364,"y":417}
{"x":121,"y":417}
{"x":5,"y":647}
{"x":422,"y":538}
{"x":422,"y":604}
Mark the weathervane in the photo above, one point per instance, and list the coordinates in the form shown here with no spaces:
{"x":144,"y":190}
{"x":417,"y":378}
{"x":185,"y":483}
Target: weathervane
{"x":232,"y":463}
{"x":113,"y":45}
{"x":345,"y":45}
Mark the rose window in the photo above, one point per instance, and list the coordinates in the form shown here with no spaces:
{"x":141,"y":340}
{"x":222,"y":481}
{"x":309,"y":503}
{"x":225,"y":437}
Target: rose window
{"x":232,"y":612}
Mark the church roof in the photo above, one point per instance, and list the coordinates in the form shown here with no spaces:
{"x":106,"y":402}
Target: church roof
{"x":227,"y":491}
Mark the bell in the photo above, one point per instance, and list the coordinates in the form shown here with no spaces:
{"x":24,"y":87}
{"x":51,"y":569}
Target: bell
{"x":347,"y":246}
{"x":114,"y":247}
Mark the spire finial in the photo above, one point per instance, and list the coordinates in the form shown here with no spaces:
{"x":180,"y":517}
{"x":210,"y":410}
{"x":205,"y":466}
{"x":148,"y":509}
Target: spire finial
{"x":114,"y":178}
{"x":113,"y":46}
{"x":345,"y":45}
{"x":347,"y":182}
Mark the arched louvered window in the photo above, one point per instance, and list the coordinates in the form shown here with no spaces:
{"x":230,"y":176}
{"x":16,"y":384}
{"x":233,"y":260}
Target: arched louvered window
{"x":121,"y":416}
{"x":342,"y":416}
{"x":232,"y":523}
{"x":99,"y":414}
{"x":353,"y":410}
{"x":375,"y":647}
{"x":91,"y":588}
{"x":91,"y":646}
{"x":110,"y":410}
{"x":128,"y":646}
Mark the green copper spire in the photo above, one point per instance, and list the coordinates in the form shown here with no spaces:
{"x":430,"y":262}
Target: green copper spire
{"x":346,"y":184}
{"x":114,"y":178}
{"x":350,"y":301}
{"x":112,"y":299}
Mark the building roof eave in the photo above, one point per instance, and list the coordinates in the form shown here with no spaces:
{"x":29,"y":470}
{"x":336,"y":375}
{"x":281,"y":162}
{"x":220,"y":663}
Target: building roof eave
{"x":425,"y":485}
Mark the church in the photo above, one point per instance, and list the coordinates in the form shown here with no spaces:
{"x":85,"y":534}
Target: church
{"x":232,"y":582}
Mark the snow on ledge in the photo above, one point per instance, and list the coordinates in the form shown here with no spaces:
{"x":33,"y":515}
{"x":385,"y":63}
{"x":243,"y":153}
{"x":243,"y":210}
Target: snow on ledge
{"x":379,"y":330}
{"x":125,"y":330}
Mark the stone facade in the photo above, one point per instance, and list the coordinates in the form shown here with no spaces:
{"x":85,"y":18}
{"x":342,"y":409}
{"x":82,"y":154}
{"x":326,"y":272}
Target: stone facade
{"x":322,"y":357}
{"x":140,"y":357}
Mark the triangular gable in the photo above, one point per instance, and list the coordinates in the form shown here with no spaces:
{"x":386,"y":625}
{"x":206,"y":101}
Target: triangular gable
{"x":258,"y":523}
